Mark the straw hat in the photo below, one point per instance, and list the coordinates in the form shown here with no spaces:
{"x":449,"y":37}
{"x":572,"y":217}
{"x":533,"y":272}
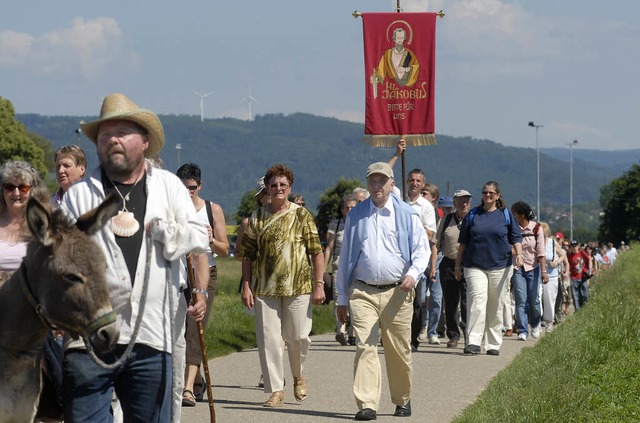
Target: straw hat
{"x":120,"y":107}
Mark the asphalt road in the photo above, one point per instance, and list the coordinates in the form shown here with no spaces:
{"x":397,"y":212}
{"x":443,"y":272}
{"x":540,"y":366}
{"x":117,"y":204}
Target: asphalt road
{"x":445,"y":381}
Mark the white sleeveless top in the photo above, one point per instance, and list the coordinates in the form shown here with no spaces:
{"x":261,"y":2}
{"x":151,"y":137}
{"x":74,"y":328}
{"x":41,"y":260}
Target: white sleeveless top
{"x":204,"y":218}
{"x":11,"y":254}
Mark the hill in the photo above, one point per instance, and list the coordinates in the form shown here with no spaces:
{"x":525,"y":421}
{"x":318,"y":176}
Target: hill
{"x":233,"y":154}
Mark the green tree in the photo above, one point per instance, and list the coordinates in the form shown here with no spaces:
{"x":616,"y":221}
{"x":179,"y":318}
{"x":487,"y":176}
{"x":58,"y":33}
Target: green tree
{"x":247,"y":206}
{"x":620,"y":201}
{"x":16,"y":143}
{"x":329,"y":204}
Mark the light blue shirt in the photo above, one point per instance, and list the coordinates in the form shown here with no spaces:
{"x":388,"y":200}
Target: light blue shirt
{"x":379,"y":259}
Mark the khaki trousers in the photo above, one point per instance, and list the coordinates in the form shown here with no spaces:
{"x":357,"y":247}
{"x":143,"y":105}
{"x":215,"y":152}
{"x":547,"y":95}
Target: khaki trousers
{"x":388,"y":311}
{"x":278,"y":319}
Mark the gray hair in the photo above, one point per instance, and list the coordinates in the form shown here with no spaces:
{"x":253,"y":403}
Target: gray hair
{"x":21,"y":172}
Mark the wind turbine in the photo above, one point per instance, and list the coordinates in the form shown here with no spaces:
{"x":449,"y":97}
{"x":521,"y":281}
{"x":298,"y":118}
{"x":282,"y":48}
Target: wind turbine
{"x":250,"y":99}
{"x":202,"y":96}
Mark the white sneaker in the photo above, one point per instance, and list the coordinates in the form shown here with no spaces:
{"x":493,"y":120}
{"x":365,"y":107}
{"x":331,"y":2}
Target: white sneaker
{"x":535,"y":332}
{"x":423,"y":335}
{"x":434,"y":340}
{"x":549,"y":327}
{"x":522,"y":337}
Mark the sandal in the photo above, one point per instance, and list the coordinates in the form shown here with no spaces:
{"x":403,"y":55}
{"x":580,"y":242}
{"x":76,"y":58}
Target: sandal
{"x":188,"y":399}
{"x":299,"y":388}
{"x":276,"y":399}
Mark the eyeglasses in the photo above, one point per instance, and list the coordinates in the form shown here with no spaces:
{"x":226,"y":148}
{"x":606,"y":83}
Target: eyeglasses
{"x":23,"y":188}
{"x":283,"y":186}
{"x":489,"y":193}
{"x":192,"y":187}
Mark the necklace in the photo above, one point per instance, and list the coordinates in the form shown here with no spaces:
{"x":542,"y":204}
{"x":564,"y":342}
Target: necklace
{"x":124,"y":224}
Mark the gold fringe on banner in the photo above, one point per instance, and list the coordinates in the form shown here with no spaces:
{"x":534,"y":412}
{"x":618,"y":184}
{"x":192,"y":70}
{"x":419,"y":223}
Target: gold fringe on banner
{"x":392,"y":140}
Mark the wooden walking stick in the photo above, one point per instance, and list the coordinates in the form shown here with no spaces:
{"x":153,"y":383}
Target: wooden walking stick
{"x":192,"y":283}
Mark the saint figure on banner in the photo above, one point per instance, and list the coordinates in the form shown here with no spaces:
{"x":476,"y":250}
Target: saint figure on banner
{"x":397,"y":63}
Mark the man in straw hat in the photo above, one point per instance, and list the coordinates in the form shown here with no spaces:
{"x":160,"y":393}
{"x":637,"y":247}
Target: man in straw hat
{"x":384,"y":251}
{"x":142,"y":244}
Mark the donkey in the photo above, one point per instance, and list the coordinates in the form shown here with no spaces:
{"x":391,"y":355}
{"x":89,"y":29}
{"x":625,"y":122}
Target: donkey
{"x":60,"y":284}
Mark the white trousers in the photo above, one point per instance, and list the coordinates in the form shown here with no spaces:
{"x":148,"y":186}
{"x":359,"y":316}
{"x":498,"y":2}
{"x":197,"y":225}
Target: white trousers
{"x":277,"y":319}
{"x":485,"y":299}
{"x":549,"y":295}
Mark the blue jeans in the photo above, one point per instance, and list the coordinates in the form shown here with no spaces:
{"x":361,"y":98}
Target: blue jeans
{"x":526,"y":289}
{"x":435,"y":305}
{"x":434,"y":309}
{"x":143,"y":385}
{"x":580,"y":292}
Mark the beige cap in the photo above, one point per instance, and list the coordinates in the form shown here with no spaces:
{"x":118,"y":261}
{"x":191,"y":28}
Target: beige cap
{"x":380,"y":167}
{"x":462,"y":193}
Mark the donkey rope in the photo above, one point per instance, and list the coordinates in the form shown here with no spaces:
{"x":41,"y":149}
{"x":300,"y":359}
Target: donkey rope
{"x":60,"y":285}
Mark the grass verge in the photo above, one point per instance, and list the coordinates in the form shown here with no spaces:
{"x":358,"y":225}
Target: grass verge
{"x":231,"y":328}
{"x":586,"y":370}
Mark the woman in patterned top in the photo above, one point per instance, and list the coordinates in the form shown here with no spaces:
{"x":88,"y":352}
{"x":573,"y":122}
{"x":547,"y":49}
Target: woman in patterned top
{"x":277,"y":246}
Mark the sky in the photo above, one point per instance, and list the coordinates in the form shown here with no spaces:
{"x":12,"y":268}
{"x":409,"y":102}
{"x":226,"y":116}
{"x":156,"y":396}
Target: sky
{"x":570,"y":66}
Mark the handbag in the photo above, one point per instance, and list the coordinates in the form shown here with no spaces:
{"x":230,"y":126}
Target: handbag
{"x":328,"y":287}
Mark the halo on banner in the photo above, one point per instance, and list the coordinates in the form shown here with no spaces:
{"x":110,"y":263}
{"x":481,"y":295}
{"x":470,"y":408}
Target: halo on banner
{"x":408,"y":26}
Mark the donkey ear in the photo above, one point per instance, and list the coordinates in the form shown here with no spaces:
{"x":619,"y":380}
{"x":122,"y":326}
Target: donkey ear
{"x":39,"y":220}
{"x":93,"y":220}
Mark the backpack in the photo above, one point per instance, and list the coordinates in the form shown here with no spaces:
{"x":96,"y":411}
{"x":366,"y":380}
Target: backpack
{"x":536,"y":229}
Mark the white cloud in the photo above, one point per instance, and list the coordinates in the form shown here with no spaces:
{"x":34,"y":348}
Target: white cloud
{"x":89,"y":47}
{"x":497,"y":38}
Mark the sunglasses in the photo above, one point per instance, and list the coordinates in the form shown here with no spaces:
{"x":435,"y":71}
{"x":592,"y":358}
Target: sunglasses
{"x":23,"y":188}
{"x":192,"y":187}
{"x":489,"y":193}
{"x":283,"y":186}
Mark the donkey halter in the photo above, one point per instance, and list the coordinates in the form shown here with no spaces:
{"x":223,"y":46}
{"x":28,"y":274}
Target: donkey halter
{"x":53,"y":324}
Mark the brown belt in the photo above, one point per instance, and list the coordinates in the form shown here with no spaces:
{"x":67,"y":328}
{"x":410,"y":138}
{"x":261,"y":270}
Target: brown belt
{"x":385,"y":286}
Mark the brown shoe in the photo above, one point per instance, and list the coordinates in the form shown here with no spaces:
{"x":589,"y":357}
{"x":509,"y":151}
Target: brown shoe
{"x":508,"y":332}
{"x":299,"y":388}
{"x":275,"y":400}
{"x":452,"y":343}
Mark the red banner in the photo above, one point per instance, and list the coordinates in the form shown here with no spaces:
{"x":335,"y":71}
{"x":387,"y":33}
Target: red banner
{"x":400,"y":63}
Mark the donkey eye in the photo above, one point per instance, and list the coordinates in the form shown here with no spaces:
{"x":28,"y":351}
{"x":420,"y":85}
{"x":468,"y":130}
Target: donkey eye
{"x":72,"y":277}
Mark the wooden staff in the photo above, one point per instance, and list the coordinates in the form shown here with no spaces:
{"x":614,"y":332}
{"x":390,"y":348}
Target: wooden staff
{"x":207,"y":377}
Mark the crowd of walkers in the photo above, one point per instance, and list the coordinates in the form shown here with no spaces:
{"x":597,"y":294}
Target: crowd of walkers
{"x":402,"y":273}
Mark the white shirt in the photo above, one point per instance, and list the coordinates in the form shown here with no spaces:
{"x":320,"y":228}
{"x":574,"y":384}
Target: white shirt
{"x":612,"y":253}
{"x":380,"y":261}
{"x":425,"y":211}
{"x":178,"y":232}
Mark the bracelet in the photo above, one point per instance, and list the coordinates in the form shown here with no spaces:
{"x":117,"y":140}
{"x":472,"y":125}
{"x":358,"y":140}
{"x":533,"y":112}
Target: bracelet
{"x":322,"y":282}
{"x":201,"y":291}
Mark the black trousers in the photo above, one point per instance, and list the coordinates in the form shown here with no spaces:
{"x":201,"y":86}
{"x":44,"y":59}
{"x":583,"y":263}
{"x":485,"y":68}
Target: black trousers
{"x":454,"y":293}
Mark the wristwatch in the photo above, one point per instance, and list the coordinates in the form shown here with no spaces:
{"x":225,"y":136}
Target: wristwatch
{"x":201,"y":291}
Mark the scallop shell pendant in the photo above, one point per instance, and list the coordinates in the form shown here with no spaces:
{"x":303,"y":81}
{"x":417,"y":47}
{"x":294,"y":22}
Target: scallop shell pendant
{"x":124,"y":224}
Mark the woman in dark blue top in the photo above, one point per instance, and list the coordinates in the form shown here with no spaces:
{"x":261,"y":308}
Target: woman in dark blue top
{"x":487,"y":236}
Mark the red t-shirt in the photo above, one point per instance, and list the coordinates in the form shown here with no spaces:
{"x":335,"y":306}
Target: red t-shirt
{"x":579,"y":264}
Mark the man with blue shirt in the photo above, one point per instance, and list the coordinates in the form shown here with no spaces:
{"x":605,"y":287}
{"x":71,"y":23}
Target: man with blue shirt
{"x":384,"y":251}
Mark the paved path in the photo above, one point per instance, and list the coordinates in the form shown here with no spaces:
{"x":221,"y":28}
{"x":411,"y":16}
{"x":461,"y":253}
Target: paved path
{"x":445,"y":381}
